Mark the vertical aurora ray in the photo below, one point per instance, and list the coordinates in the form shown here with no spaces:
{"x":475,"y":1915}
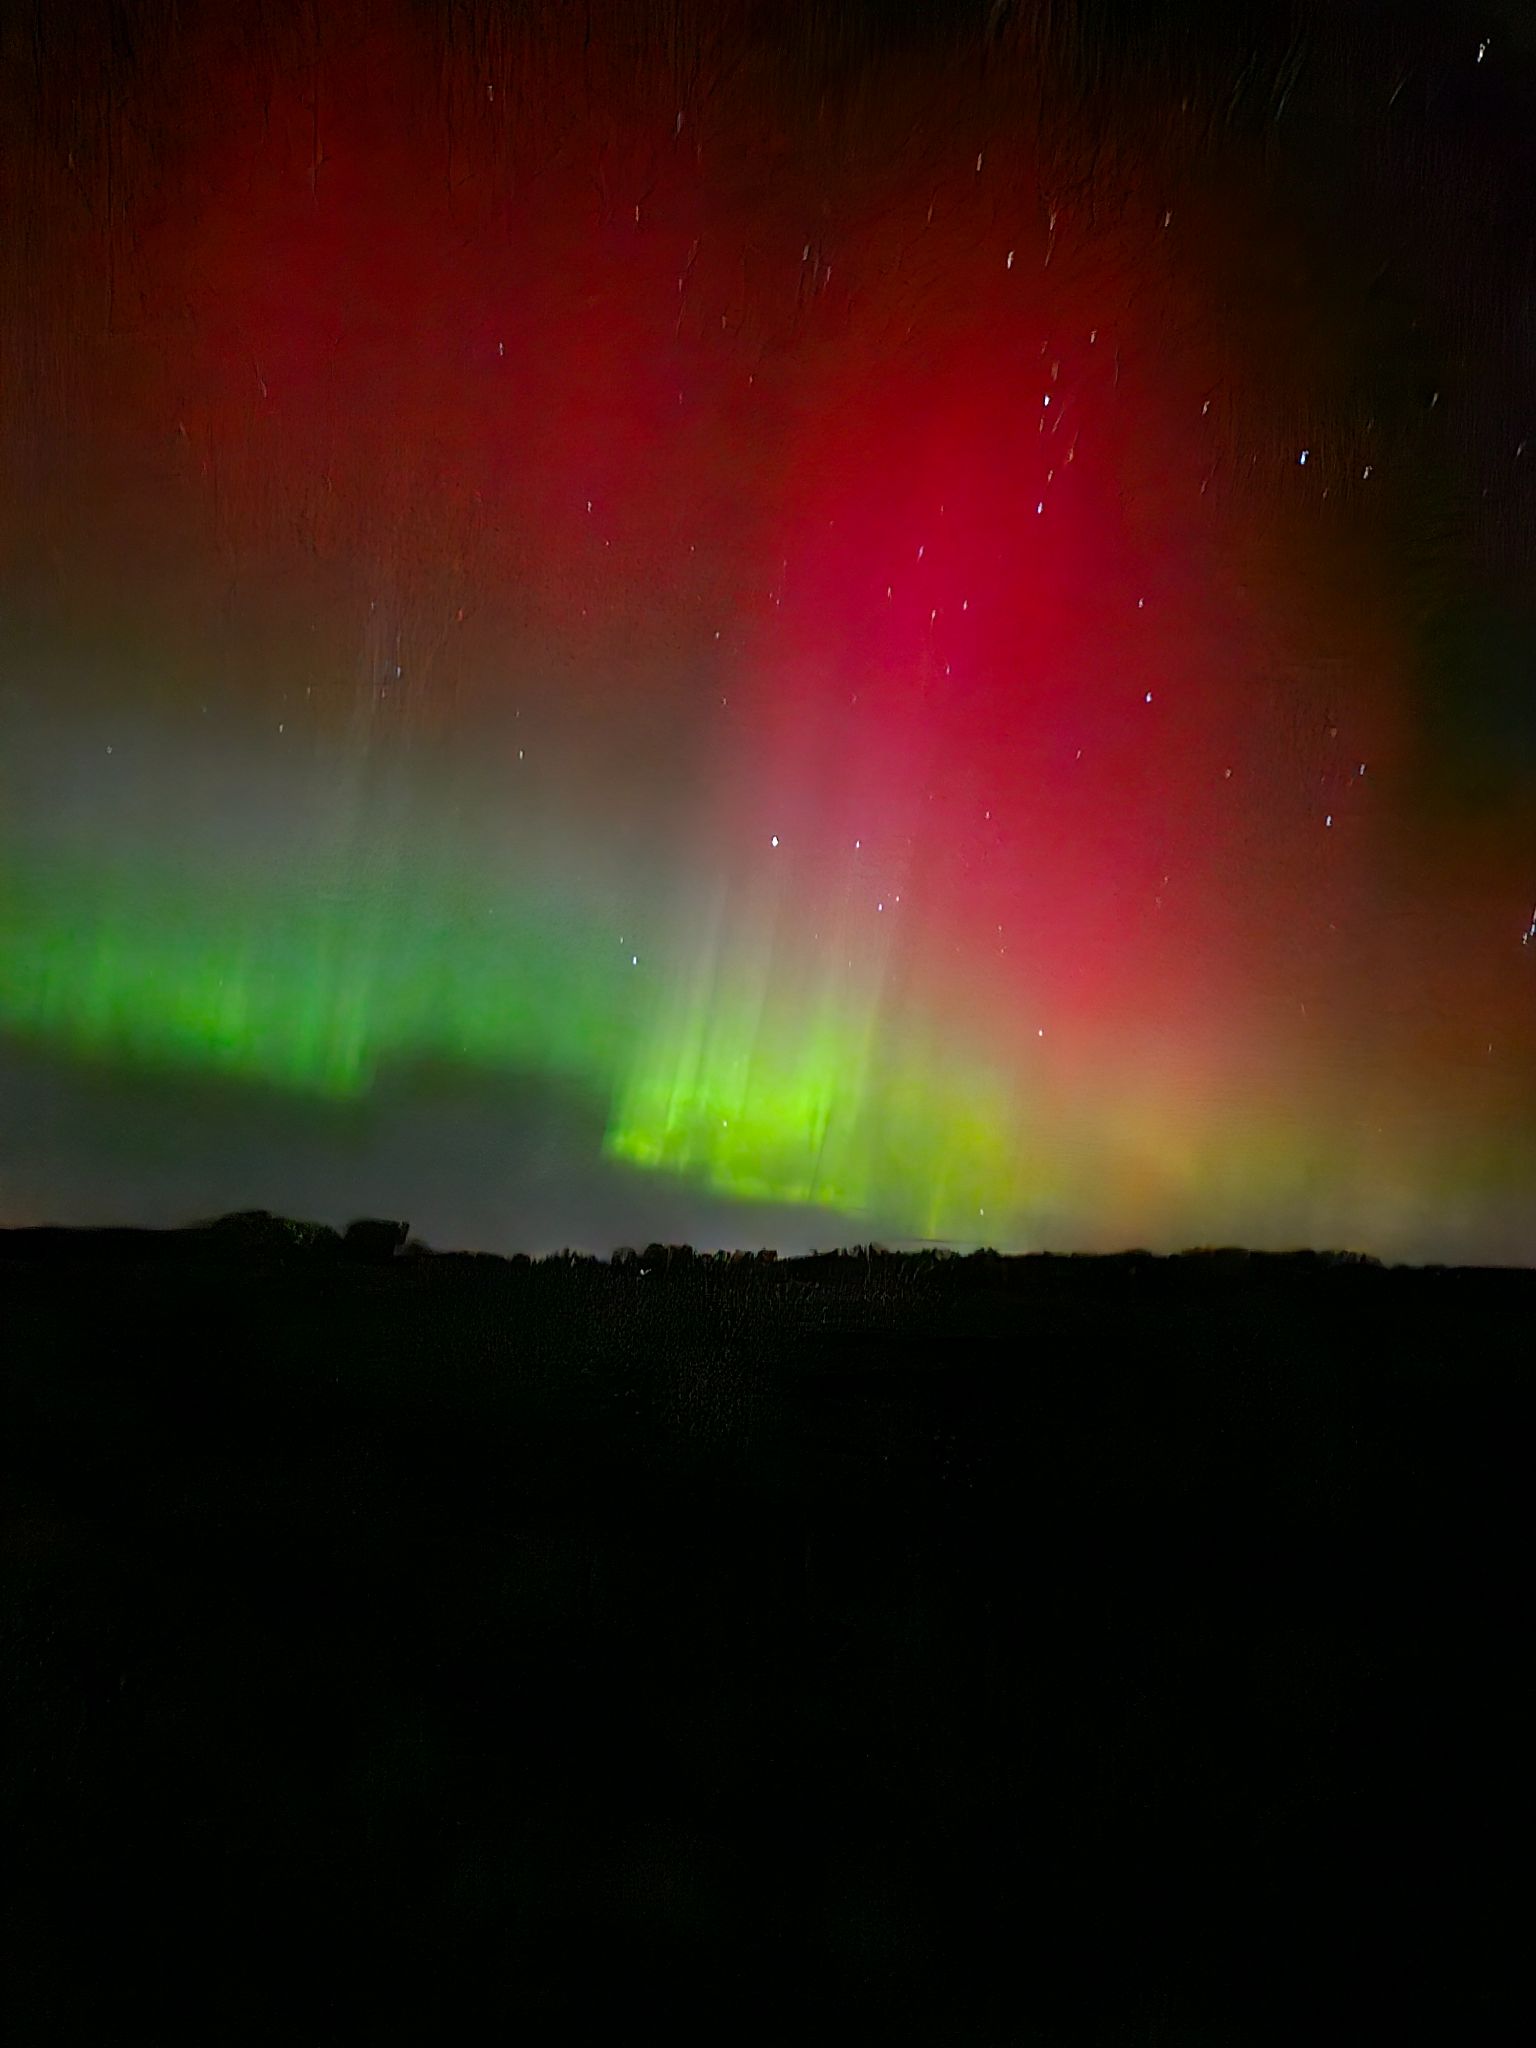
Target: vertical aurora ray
{"x":777,"y":1078}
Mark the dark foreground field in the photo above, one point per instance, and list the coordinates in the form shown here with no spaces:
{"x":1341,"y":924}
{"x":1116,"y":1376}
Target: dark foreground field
{"x":1032,"y":1651}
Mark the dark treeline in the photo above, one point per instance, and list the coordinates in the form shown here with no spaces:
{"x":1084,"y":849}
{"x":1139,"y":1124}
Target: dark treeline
{"x":258,"y":1234}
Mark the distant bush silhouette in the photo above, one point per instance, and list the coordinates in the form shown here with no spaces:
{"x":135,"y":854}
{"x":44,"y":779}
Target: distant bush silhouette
{"x":259,"y":1231}
{"x":371,"y":1241}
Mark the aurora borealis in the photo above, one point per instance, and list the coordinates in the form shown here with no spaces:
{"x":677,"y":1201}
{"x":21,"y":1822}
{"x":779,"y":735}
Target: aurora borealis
{"x":922,"y":619}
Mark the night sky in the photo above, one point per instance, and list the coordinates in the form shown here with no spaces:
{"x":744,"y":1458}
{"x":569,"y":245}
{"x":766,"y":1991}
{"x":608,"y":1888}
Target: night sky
{"x":776,"y":626}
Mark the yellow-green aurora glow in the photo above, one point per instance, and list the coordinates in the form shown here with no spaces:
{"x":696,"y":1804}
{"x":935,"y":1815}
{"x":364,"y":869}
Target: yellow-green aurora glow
{"x":756,"y":1094}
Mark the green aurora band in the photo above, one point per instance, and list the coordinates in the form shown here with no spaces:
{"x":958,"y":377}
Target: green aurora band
{"x":787,"y":1095}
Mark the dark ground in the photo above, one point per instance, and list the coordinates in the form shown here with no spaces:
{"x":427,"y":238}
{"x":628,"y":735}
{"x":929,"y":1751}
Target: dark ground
{"x":1040,"y":1651}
